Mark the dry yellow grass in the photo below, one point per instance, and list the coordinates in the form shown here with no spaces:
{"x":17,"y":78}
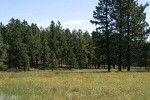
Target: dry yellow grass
{"x":66,"y":85}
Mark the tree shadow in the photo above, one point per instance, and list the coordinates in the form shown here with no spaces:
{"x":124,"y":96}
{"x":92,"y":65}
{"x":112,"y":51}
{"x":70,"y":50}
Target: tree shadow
{"x":99,"y":71}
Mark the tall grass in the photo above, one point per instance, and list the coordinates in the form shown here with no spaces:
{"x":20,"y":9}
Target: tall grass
{"x":74,"y":85}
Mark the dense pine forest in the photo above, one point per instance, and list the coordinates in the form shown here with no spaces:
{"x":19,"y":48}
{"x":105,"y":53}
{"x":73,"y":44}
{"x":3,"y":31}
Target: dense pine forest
{"x":24,"y":46}
{"x":119,"y":41}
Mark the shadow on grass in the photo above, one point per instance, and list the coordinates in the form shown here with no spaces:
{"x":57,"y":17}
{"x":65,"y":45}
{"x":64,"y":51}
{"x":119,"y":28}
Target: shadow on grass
{"x":99,"y":71}
{"x":89,"y":70}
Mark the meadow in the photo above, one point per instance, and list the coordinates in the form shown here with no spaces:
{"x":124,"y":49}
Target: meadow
{"x":74,"y":85}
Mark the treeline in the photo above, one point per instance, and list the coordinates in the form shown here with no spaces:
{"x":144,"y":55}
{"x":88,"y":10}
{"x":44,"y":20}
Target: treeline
{"x":23,"y":46}
{"x":121,"y":34}
{"x":120,"y":40}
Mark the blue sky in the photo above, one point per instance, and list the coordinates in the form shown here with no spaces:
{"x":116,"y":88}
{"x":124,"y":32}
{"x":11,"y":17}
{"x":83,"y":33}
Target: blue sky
{"x":73,"y":14}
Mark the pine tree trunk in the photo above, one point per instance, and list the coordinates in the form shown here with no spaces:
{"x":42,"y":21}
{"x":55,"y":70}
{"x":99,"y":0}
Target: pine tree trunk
{"x":44,"y":65}
{"x":107,"y":38}
{"x":128,"y":49}
{"x":120,"y":40}
{"x":32,"y":63}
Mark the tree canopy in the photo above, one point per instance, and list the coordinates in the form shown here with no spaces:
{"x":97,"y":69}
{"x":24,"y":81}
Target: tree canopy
{"x":119,"y":40}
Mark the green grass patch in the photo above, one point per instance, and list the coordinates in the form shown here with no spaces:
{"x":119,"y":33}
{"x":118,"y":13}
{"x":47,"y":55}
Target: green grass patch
{"x":74,"y":85}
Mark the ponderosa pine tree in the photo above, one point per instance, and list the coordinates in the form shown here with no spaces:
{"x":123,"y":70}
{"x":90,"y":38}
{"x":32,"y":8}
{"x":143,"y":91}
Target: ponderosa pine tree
{"x":34,"y":44}
{"x":24,"y":57}
{"x":138,"y":28}
{"x":88,"y":48}
{"x":79,"y":48}
{"x":70,"y":57}
{"x":44,"y":48}
{"x":119,"y":17}
{"x":120,"y":24}
{"x":14,"y":42}
{"x":53,"y":42}
{"x":61,"y":43}
{"x":98,"y":48}
{"x":102,"y":18}
{"x":17,"y":51}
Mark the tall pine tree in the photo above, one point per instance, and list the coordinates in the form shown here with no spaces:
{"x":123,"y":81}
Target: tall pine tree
{"x":102,"y":18}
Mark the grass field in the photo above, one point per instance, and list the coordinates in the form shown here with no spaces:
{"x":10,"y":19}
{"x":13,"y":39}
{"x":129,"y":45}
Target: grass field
{"x":74,"y":85}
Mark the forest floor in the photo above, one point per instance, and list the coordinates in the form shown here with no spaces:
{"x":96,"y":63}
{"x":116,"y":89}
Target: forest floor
{"x":91,"y":84}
